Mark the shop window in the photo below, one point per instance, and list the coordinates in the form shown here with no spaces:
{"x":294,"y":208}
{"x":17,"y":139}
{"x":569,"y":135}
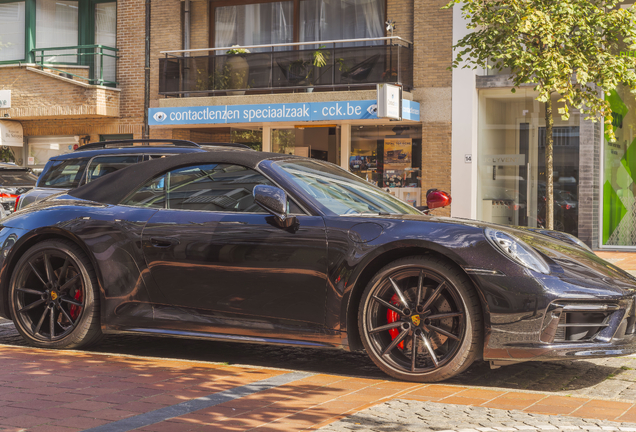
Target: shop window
{"x":511,"y":162}
{"x":389,"y":157}
{"x":315,"y":142}
{"x":12,"y":23}
{"x":619,"y":179}
{"x":253,"y":138}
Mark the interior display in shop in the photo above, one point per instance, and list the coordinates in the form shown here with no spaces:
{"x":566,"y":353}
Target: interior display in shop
{"x":237,"y":245}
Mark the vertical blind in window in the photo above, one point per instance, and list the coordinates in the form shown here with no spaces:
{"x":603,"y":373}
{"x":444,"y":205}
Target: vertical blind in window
{"x":254,"y":24}
{"x":56,"y":26}
{"x":12,"y":21}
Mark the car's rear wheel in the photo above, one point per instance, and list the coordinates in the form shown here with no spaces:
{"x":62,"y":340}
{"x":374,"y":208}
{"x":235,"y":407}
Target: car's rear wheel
{"x":420,"y":320}
{"x":53,"y":298}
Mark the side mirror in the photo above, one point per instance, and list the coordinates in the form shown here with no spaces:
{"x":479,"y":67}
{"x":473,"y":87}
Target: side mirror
{"x":274,"y":201}
{"x":436,"y":198}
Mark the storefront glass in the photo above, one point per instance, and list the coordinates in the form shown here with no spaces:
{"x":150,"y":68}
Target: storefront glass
{"x":619,"y":187}
{"x":316,"y":142}
{"x":390,"y":157}
{"x":41,"y":149}
{"x":511,"y":161}
{"x":253,"y":138}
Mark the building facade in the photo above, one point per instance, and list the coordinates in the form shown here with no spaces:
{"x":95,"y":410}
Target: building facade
{"x":299,"y":77}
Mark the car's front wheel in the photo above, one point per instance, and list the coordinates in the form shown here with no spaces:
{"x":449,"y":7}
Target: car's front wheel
{"x":53,"y":296}
{"x":420,"y":320}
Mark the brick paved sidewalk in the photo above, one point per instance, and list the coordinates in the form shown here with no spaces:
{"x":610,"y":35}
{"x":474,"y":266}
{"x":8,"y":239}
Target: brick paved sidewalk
{"x":70,"y":391}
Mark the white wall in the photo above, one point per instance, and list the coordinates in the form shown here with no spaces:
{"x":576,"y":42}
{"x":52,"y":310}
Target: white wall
{"x":464,"y":132}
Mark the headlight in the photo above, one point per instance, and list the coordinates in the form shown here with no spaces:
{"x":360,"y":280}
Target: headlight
{"x":578,"y":242}
{"x":517,"y":250}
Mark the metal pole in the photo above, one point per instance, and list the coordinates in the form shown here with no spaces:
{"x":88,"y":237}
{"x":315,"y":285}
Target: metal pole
{"x":146,"y":133}
{"x":186,"y":44}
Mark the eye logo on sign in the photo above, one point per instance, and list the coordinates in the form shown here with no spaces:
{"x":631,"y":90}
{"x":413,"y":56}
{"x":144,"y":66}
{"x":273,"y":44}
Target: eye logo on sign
{"x":160,"y":116}
{"x":373,"y":109}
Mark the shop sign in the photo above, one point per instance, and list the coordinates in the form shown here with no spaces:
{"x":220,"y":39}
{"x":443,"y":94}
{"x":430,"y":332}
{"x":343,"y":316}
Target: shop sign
{"x":5,"y":98}
{"x":389,"y":101}
{"x":265,"y":113}
{"x":504,"y":160}
{"x":11,"y":133}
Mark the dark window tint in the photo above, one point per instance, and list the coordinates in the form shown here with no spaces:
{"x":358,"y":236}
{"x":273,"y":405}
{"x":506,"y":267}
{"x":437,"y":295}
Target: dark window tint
{"x":63,"y":174}
{"x":214,"y":187}
{"x":152,"y":194}
{"x":101,"y":166}
{"x":17,"y":178}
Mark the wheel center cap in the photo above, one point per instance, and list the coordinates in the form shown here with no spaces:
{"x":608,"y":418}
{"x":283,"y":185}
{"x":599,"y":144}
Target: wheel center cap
{"x":415,"y":319}
{"x":53,"y":295}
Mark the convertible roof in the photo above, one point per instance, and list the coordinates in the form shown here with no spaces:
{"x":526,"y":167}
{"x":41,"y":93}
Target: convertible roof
{"x":113,"y":188}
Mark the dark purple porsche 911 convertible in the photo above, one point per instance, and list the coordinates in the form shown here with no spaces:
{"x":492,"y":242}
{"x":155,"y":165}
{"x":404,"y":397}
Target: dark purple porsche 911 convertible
{"x":239,"y":245}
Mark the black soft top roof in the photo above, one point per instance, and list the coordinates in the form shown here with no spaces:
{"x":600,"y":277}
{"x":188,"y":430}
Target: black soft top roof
{"x":113,"y":188}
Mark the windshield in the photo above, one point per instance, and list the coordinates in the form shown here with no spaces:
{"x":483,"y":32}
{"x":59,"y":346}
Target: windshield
{"x":64,"y":174}
{"x":341,"y":192}
{"x":17,"y":178}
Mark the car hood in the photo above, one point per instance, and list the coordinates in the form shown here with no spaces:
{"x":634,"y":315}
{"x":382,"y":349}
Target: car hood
{"x":567,"y":260}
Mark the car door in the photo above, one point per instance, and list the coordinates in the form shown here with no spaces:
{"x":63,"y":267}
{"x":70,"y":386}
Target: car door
{"x":212,"y":251}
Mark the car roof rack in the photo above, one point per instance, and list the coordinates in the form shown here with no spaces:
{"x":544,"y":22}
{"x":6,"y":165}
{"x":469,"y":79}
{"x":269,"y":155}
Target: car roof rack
{"x":225,"y":144}
{"x":143,"y":142}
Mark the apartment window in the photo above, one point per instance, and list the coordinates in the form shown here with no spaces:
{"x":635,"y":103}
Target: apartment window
{"x":27,"y":26}
{"x":272,"y":22}
{"x":57,"y":26}
{"x":12,"y":37}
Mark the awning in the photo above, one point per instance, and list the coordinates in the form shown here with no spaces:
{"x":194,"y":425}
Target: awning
{"x":11,"y":133}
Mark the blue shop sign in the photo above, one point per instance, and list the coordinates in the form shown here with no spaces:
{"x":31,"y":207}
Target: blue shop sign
{"x":293,"y":112}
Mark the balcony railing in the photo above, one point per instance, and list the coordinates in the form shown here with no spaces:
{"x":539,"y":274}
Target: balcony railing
{"x":299,"y":66}
{"x":101,"y":61}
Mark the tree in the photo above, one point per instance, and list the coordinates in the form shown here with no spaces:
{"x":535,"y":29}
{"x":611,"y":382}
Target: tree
{"x":571,"y":48}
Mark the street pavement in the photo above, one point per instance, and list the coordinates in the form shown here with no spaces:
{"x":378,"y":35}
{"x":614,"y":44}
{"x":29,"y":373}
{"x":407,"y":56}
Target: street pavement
{"x":158,"y":384}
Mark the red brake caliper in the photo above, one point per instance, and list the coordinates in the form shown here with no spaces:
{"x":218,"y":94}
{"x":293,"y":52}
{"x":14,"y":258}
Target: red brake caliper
{"x":75,"y":310}
{"x":392,"y":317}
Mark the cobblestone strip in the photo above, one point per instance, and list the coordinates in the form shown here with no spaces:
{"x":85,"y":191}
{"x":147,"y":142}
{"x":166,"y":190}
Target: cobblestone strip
{"x":406,"y":415}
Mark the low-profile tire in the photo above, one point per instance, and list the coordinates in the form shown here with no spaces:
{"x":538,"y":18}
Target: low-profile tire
{"x":427,"y":303}
{"x":53,"y":296}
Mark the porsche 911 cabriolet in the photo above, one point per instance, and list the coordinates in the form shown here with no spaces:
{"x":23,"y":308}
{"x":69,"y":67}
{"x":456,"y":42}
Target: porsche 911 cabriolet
{"x":246,"y":246}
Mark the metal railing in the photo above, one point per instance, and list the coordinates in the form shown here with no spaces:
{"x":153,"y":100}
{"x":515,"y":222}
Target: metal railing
{"x":102,"y":65}
{"x":326,"y":65}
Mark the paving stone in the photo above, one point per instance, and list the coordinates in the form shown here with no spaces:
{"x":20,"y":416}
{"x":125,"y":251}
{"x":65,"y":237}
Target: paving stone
{"x":431,"y":416}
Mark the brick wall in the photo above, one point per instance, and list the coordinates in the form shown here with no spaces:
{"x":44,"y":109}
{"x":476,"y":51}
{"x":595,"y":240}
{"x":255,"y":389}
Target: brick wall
{"x":436,"y":160}
{"x":401,"y":12}
{"x":432,"y":55}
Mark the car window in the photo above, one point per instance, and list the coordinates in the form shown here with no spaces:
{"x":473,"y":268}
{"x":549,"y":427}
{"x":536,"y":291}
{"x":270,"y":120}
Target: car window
{"x":341,"y":192}
{"x":210,"y":187}
{"x":103,"y":165}
{"x":152,"y":194}
{"x":17,"y":178}
{"x":64,"y":174}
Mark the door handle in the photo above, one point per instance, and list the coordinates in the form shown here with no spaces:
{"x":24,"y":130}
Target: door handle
{"x":163,"y":242}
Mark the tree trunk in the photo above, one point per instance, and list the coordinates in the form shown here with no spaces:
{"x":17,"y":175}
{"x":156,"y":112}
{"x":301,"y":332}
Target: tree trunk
{"x":549,"y":174}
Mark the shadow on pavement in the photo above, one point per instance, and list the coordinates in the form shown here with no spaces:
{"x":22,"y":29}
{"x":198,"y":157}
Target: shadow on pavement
{"x":560,"y":376}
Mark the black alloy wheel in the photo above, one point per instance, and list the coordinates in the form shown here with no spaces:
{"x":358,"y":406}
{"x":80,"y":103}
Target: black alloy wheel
{"x":52,"y":296}
{"x":420,"y":320}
